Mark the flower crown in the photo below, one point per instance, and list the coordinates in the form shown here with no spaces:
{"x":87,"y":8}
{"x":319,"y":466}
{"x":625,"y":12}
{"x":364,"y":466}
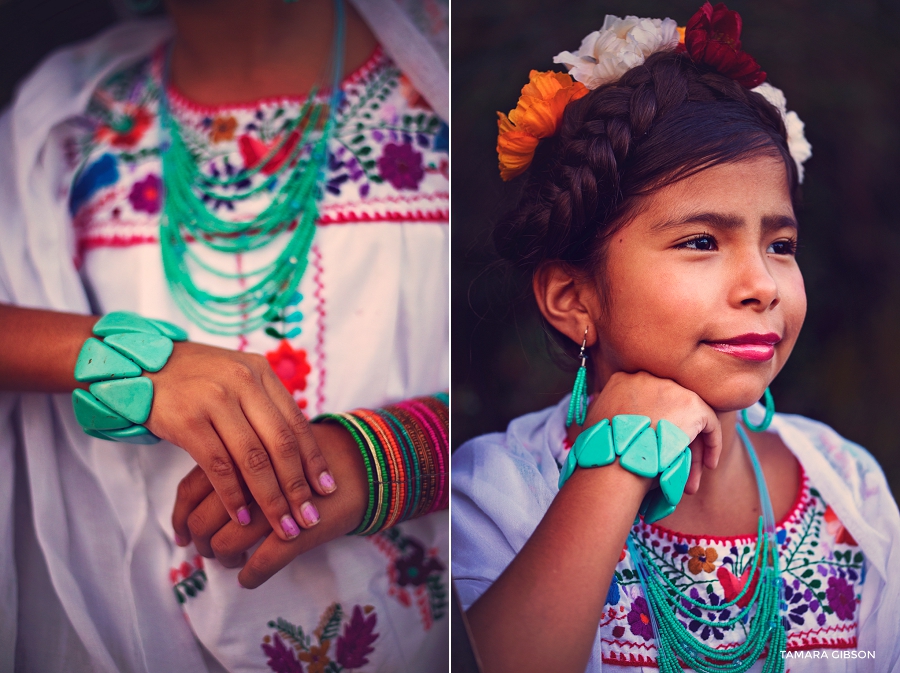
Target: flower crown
{"x":712,"y":37}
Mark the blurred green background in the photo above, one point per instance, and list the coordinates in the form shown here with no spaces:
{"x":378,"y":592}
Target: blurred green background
{"x":839,"y":65}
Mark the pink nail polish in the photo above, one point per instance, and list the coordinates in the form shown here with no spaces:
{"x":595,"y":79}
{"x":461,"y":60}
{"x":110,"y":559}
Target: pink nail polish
{"x":243,"y":516}
{"x":310,"y":513}
{"x":289,"y":526}
{"x":180,"y":541}
{"x":327,"y":481}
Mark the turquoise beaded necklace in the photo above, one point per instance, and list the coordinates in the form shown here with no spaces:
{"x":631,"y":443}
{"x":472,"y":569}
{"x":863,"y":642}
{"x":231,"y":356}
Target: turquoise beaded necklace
{"x":295,"y":189}
{"x":766,"y":628}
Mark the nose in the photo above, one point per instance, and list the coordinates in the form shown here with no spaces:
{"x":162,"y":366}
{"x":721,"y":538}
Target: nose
{"x":754,"y":284}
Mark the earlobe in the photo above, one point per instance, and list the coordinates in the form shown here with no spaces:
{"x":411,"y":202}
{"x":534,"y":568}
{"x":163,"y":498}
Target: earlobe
{"x":568,"y":303}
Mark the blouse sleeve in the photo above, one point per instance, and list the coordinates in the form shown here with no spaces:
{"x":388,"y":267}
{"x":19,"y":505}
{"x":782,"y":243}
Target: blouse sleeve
{"x":500,"y":493}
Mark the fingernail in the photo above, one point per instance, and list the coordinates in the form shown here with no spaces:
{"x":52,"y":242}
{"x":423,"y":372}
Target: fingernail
{"x":310,"y":513}
{"x":289,"y":526}
{"x":327,"y":482}
{"x":180,"y":541}
{"x":243,"y":516}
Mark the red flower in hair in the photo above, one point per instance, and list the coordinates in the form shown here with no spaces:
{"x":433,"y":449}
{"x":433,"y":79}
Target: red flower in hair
{"x":713,"y":37}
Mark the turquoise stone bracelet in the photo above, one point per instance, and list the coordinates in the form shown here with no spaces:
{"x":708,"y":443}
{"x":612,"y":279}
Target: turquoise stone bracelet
{"x":120,"y":398}
{"x":640,"y":449}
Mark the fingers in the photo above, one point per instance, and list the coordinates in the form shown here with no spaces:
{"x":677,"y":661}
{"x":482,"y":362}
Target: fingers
{"x":314,"y":463}
{"x":255,"y":464}
{"x":284,"y":451}
{"x":205,"y":520}
{"x":192,"y":490}
{"x":207,"y":449}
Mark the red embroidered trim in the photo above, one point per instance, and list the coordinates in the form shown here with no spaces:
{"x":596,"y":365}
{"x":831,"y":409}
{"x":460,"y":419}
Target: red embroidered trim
{"x":801,"y":502}
{"x":180,"y":100}
{"x":442,"y":216}
{"x":319,"y":348}
{"x":412,"y":198}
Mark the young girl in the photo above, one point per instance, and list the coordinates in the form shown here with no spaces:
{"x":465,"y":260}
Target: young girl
{"x":652,"y":524}
{"x":269,"y":180}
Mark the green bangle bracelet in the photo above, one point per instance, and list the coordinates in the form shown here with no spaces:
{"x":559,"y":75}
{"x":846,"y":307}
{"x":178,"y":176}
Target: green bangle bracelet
{"x":120,"y":398}
{"x":641,"y":450}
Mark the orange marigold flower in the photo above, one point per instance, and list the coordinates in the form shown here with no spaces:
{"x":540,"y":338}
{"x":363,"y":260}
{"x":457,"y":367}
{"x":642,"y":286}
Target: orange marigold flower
{"x":681,"y":30}
{"x":702,"y":560}
{"x":537,"y":115}
{"x":222,"y":129}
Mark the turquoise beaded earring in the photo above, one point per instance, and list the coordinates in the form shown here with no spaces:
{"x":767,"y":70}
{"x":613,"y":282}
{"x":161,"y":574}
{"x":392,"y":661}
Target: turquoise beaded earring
{"x":579,"y":403}
{"x":767,"y":419}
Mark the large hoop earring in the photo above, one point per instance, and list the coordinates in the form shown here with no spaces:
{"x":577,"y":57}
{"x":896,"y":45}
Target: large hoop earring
{"x":767,"y":419}
{"x":578,"y":404}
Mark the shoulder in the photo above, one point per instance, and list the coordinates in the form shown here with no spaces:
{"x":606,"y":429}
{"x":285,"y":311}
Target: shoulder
{"x":817,"y":443}
{"x":527,"y":452}
{"x":63,"y":82}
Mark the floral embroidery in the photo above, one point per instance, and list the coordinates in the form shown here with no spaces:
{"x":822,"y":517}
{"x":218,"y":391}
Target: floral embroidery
{"x":733,"y":586}
{"x":836,"y":528}
{"x":415,"y":574}
{"x":639,"y":619}
{"x":222,"y":128}
{"x":702,"y":559}
{"x":289,"y":645}
{"x":401,"y":165}
{"x":145,"y":195}
{"x":822,"y":572}
{"x":102,"y":173}
{"x":841,"y":597}
{"x":292,"y":367}
{"x":126,"y":129}
{"x":188,"y":579}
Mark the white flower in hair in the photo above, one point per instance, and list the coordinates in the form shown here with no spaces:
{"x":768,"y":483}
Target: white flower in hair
{"x":798,"y":145}
{"x":621,"y":44}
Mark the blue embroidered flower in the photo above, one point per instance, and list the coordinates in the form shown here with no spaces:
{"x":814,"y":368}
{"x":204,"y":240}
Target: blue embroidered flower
{"x":613,"y":594}
{"x":102,"y":173}
{"x":442,"y":139}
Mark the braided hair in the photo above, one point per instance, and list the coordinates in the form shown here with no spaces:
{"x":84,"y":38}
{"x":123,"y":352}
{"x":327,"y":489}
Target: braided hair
{"x":659,"y":123}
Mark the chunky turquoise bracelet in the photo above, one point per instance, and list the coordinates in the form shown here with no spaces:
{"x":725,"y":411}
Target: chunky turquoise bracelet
{"x":120,"y":397}
{"x":642,"y":450}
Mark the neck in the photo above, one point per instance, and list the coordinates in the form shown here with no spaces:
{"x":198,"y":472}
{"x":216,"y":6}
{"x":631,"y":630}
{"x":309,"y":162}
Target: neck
{"x":238,"y":50}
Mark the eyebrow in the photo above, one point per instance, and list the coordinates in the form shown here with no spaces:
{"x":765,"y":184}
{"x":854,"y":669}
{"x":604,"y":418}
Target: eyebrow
{"x":725,"y":221}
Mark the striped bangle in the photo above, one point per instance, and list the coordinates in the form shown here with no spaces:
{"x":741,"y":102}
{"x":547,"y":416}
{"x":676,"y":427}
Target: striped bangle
{"x":405,"y":449}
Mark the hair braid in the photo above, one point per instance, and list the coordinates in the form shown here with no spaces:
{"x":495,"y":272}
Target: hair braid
{"x":660,"y":122}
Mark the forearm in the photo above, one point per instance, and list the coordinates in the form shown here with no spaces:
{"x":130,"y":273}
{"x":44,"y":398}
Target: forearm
{"x":38,"y":349}
{"x":543,"y":611}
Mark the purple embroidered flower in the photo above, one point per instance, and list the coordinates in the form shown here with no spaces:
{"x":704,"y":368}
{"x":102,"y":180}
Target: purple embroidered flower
{"x":356,"y":642}
{"x":145,"y":194}
{"x":639,"y":619}
{"x":281,"y":658}
{"x":401,"y":165}
{"x":841,"y":598}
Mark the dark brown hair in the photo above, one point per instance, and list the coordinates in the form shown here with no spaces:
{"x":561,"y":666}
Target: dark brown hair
{"x":660,"y":122}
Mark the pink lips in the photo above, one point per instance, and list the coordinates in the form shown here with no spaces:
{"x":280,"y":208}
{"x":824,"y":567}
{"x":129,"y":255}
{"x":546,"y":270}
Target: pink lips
{"x":753,"y":347}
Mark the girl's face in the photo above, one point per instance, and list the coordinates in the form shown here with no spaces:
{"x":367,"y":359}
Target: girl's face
{"x":703,"y":286}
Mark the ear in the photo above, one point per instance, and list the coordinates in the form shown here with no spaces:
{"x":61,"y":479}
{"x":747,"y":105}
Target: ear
{"x":568,"y":303}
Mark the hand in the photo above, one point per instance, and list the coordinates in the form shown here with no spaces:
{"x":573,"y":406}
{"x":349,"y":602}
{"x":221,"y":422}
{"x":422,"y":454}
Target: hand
{"x":200,"y":515}
{"x":647,"y":395}
{"x":234,"y":417}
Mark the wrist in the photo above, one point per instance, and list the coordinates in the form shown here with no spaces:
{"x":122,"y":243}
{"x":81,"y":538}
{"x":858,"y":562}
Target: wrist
{"x":630,"y":442}
{"x":118,"y":401}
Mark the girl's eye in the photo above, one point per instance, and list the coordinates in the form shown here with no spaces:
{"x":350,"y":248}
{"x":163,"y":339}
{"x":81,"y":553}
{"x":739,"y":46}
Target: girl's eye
{"x":786,"y":247}
{"x":702,"y":242}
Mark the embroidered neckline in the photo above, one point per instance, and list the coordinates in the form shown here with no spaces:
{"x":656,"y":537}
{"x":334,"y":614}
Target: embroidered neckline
{"x":794,"y":513}
{"x":183,"y":102}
